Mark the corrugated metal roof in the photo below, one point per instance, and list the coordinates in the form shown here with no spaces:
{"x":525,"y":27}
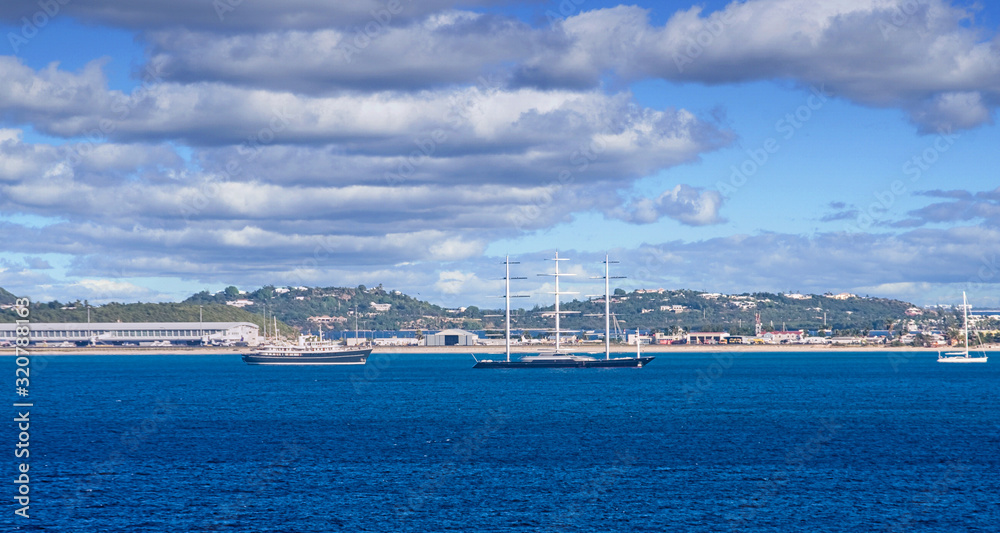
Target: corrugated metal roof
{"x":455,"y":332}
{"x":75,"y":326}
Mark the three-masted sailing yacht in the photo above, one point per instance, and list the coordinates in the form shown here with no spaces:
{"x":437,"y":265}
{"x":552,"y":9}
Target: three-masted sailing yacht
{"x":558,"y":358}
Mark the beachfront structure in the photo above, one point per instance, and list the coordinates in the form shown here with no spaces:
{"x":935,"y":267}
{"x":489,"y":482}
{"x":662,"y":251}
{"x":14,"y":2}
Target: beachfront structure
{"x":136,"y":333}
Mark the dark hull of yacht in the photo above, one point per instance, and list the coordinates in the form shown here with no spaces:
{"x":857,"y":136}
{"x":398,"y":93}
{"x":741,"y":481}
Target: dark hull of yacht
{"x":339,"y":357}
{"x":621,"y":362}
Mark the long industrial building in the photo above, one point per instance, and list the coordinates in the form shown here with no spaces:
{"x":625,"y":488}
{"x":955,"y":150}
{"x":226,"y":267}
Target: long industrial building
{"x":140,"y":333}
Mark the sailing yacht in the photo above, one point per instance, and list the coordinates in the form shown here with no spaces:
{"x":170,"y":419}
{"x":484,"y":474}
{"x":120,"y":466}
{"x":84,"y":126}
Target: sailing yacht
{"x":963,"y":356}
{"x":558,"y":358}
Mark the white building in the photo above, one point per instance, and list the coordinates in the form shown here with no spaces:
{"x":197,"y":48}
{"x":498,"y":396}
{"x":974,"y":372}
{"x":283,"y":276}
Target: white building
{"x":451,"y":337}
{"x":328,"y":319}
{"x":842,"y":296}
{"x":137,"y":332}
{"x":778,"y":337}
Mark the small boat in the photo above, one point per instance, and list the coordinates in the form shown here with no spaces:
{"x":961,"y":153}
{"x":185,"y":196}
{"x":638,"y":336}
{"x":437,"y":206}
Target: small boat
{"x":963,"y":356}
{"x":558,"y":358}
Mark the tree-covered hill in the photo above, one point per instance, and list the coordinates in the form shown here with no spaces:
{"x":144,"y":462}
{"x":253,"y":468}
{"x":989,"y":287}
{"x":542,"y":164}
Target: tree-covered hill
{"x":662,"y":310}
{"x":699,"y":311}
{"x":296,"y":305}
{"x":306,"y":308}
{"x":6,"y":298}
{"x":142,"y":312}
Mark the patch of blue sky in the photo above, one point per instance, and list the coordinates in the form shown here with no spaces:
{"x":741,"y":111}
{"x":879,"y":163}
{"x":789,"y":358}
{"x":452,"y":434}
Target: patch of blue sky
{"x":29,"y":220}
{"x":76,"y":45}
{"x":55,"y":265}
{"x":29,"y":135}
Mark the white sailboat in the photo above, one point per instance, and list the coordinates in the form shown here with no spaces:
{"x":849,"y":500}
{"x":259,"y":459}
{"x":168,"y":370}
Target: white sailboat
{"x":963,"y":356}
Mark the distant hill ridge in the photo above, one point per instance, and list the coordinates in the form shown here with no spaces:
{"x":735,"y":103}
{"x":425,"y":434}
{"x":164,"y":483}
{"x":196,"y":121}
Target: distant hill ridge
{"x":76,"y":312}
{"x":6,"y":298}
{"x":307,"y":308}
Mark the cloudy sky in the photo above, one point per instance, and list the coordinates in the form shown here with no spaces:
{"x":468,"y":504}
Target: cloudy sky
{"x":152,"y":149}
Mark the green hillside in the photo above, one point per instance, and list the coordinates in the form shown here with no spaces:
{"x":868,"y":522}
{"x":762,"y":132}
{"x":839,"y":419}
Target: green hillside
{"x":143,"y":312}
{"x":6,"y":298}
{"x":296,"y":305}
{"x":381,"y":309}
{"x":699,"y":311}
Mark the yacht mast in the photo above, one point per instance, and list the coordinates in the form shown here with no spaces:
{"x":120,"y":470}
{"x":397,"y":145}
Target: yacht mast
{"x":965,"y":309}
{"x":506,"y":282}
{"x":607,"y":304}
{"x":507,"y":296}
{"x":557,"y":301}
{"x":556,"y":275}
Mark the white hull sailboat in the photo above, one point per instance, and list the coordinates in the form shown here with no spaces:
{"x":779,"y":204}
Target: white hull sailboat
{"x":963,"y":356}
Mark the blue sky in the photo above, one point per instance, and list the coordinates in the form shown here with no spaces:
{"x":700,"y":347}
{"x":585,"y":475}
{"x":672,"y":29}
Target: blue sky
{"x":149,"y":150}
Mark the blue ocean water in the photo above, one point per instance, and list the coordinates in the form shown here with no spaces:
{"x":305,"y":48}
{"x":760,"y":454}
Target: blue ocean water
{"x":692,"y":442}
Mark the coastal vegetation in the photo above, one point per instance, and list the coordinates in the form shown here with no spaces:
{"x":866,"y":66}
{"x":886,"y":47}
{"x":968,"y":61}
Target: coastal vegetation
{"x":376,"y":308}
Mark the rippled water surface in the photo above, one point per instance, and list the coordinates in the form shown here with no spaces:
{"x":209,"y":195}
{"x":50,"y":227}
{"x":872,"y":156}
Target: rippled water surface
{"x":692,"y":442}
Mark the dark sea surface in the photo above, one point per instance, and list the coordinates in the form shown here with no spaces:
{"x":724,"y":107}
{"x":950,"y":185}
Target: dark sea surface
{"x":693,"y":442}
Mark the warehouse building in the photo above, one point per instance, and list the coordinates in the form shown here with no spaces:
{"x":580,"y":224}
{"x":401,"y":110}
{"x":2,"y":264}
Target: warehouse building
{"x":138,"y":333}
{"x":452,"y":337}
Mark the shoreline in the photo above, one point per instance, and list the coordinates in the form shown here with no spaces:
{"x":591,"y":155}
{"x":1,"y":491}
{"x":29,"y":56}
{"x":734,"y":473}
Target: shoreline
{"x":489,"y":350}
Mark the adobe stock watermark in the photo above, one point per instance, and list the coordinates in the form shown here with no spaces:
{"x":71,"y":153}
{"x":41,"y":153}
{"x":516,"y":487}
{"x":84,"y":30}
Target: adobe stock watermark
{"x":123,"y":108}
{"x":584,"y":155}
{"x":695,"y":46}
{"x":787,"y":127}
{"x":373,"y":29}
{"x":233,"y":510}
{"x":31,"y":25}
{"x":931,"y":495}
{"x":566,"y":9}
{"x":427,"y":144}
{"x":464,"y":451}
{"x":570,"y":513}
{"x":795,"y":462}
{"x":134,"y":438}
{"x":900,"y":15}
{"x":987,"y":273}
{"x":249,"y":150}
{"x":377,"y":362}
{"x":706,"y":378}
{"x":914,"y":168}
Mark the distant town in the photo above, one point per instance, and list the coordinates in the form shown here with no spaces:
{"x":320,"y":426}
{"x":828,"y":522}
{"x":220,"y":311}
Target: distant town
{"x":389,"y":317}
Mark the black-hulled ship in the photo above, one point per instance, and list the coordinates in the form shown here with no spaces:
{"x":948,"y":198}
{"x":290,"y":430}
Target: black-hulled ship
{"x":307,"y":352}
{"x":559,"y":358}
{"x":565,"y":360}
